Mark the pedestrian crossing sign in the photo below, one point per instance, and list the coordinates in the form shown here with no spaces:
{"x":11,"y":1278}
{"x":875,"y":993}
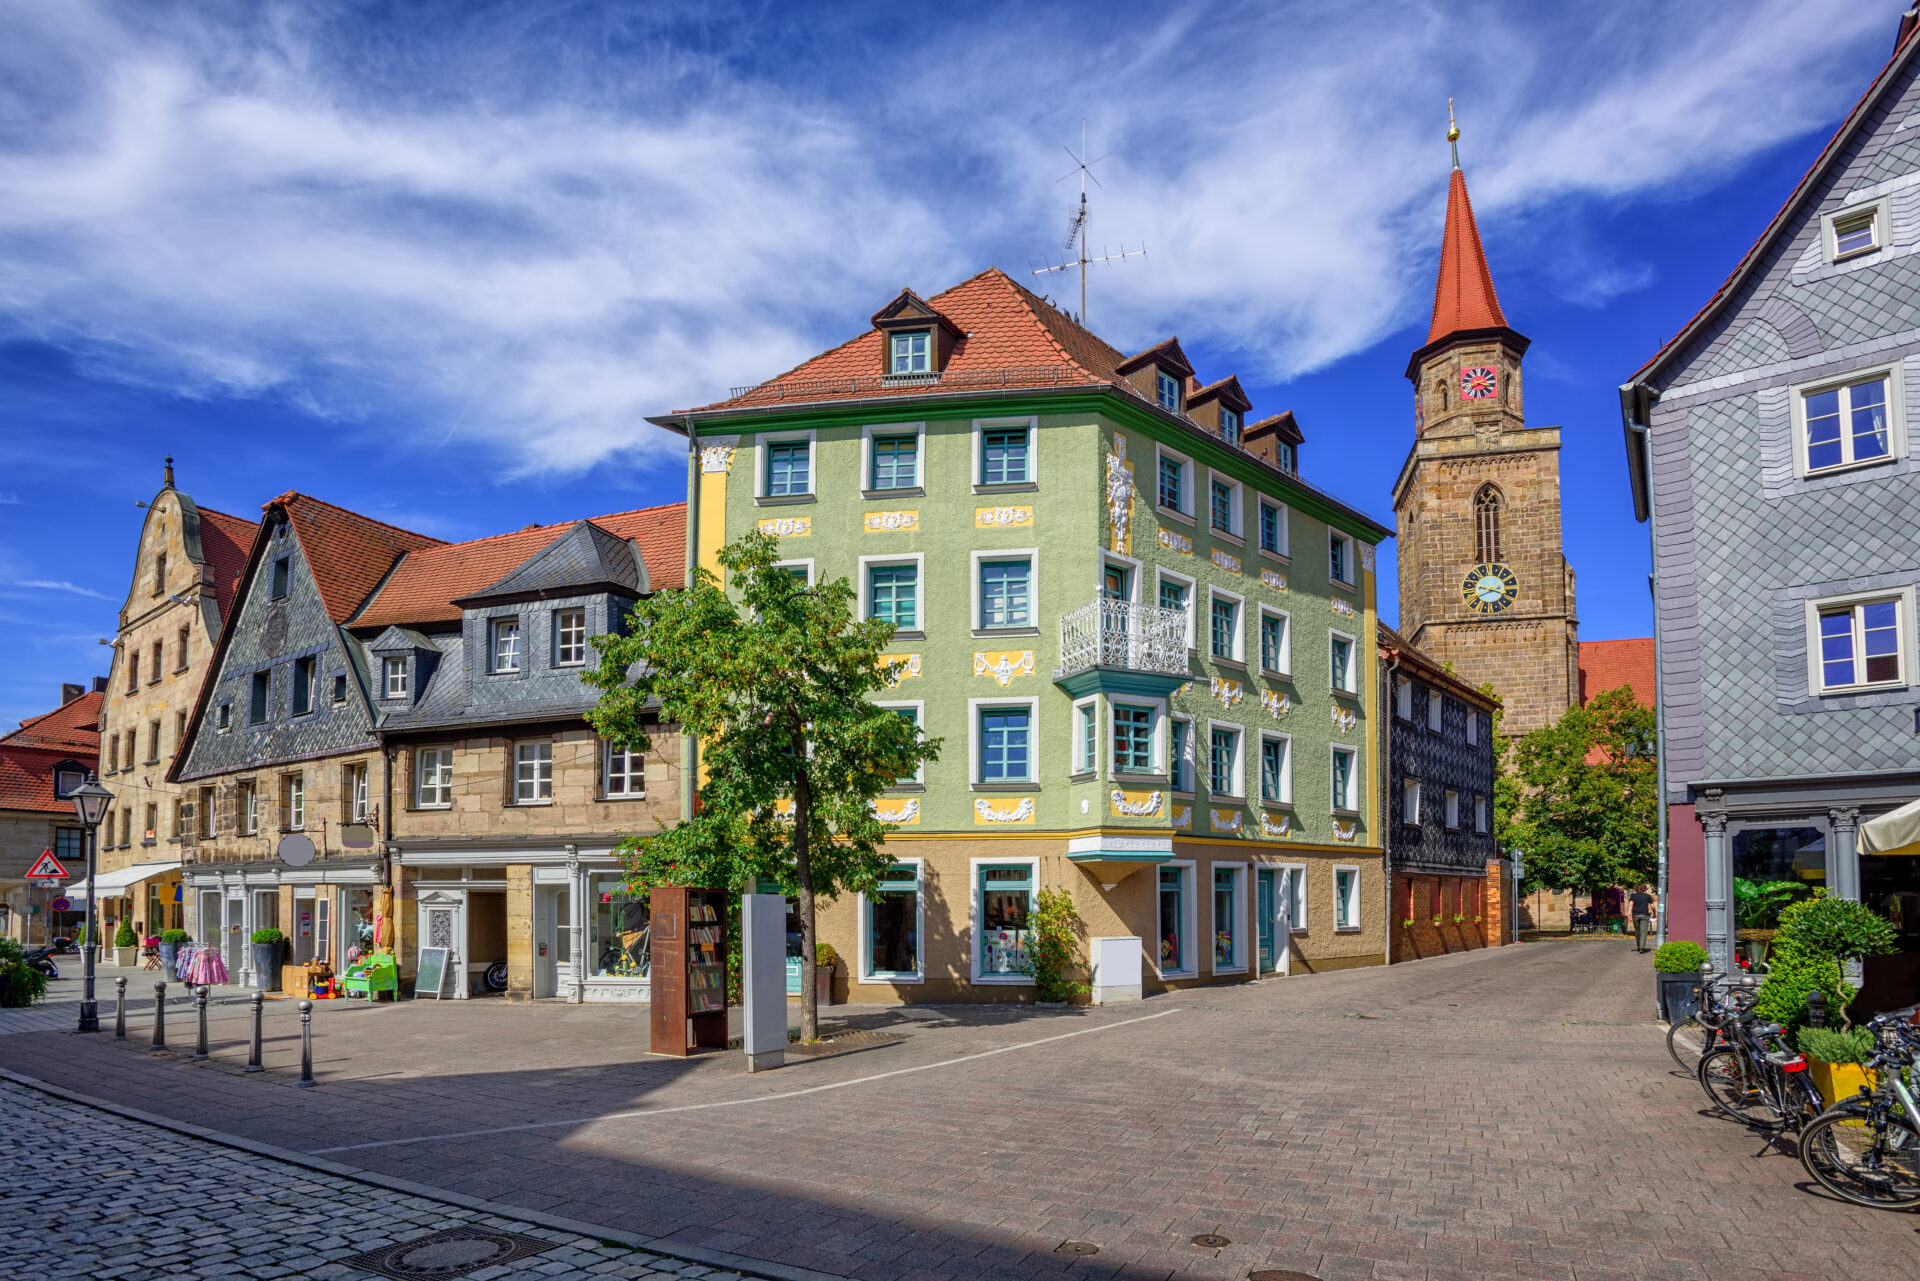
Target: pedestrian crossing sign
{"x":46,"y":868}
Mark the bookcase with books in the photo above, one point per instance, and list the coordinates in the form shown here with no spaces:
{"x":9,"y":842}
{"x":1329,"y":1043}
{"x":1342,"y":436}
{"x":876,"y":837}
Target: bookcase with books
{"x":689,"y":970}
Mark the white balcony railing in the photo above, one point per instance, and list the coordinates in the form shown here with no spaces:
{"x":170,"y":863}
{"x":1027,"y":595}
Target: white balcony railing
{"x":1119,"y":633}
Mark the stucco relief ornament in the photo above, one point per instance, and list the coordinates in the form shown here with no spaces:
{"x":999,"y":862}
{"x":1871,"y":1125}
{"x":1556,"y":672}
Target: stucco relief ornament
{"x":1270,"y":828}
{"x":904,"y":667}
{"x":1226,"y":560}
{"x":992,"y":813}
{"x":1344,"y":719}
{"x":1341,"y":605}
{"x":1003,"y":667}
{"x":1225,"y":820}
{"x":905,"y":811}
{"x":1001,"y":517}
{"x":1277,"y":704}
{"x":1345,"y":830}
{"x":1366,"y":557}
{"x":718,"y":456}
{"x":891,"y":522}
{"x":1120,"y":495}
{"x":1228,"y":692}
{"x":1181,"y":819}
{"x":1276,"y":581}
{"x":1146,"y":807}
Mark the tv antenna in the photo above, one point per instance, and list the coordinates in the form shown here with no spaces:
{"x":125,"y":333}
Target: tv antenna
{"x":1077,"y":243}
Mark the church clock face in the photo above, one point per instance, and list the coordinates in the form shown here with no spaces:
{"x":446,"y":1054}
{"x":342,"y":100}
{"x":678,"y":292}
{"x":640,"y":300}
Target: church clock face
{"x":1479,"y":382}
{"x":1489,"y":589}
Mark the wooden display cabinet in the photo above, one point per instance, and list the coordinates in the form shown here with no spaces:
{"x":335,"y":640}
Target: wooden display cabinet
{"x":689,"y":969}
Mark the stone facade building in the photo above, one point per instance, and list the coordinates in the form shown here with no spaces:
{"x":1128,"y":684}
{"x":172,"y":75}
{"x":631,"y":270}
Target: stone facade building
{"x":1483,"y":582}
{"x":1142,"y":635}
{"x":33,"y":820}
{"x":186,"y":565}
{"x":1769,"y":445}
{"x":1451,"y":890}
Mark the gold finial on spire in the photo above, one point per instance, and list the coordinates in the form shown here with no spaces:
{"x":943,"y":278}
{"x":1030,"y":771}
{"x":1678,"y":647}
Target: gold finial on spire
{"x":1453,"y":134}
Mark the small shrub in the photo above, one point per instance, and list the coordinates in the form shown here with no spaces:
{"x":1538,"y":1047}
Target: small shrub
{"x":125,"y":937}
{"x":1838,"y":928}
{"x":1052,"y":928}
{"x":20,"y":984}
{"x":175,"y":936}
{"x":1793,"y":976}
{"x":269,"y":935}
{"x":1681,"y":956}
{"x":1829,"y":1045}
{"x":824,"y":956}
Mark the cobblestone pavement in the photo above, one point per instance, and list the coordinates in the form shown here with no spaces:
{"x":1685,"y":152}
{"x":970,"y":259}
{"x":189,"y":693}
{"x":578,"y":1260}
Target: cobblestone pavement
{"x":59,"y":1010}
{"x":180,"y":1206}
{"x":1504,"y":1114}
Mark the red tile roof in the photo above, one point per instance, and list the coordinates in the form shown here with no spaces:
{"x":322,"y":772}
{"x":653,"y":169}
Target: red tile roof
{"x":347,"y":553}
{"x":74,"y":726}
{"x":1463,"y":297}
{"x":28,"y":754}
{"x":224,"y":542}
{"x":1609,"y":664}
{"x":426,"y":583}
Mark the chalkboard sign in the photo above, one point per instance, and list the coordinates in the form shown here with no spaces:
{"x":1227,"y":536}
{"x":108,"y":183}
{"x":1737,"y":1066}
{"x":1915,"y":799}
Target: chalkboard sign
{"x":433,"y":972}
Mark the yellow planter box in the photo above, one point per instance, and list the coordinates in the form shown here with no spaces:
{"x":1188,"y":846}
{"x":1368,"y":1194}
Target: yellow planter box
{"x":1837,"y":1081}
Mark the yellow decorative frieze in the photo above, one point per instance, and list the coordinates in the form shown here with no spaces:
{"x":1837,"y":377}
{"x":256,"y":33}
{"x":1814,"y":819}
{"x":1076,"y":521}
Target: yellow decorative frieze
{"x":1276,"y":581}
{"x":1232,"y":822}
{"x":1181,"y":819}
{"x":783,"y":810}
{"x":1003,"y":664}
{"x":1228,"y":692}
{"x":787,"y":526}
{"x":1176,"y":542}
{"x":891,"y":522}
{"x":988,"y":812}
{"x":1226,"y":560}
{"x":717,"y":456}
{"x":908,"y":667}
{"x":1343,"y":606}
{"x":1345,"y":829}
{"x":1344,"y":719}
{"x":1276,"y":828}
{"x":1002,"y":517}
{"x":1127,"y":804}
{"x":904,"y":811}
{"x":1276,"y":703}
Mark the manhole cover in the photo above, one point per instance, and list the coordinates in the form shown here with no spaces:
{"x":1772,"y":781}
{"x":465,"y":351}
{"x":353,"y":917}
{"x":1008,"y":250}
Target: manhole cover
{"x":1211,"y":1240}
{"x":1280,"y":1274}
{"x":444,"y":1255}
{"x":1076,"y":1247}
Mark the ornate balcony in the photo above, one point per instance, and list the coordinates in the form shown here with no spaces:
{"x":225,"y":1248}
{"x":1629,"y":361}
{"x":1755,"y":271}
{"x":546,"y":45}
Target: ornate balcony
{"x":1118,"y":646}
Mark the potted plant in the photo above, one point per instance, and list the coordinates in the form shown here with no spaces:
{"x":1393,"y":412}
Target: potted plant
{"x":267,"y":946}
{"x":1756,"y":913}
{"x":1817,"y":935}
{"x":126,"y":946}
{"x":1834,"y":1060}
{"x":20,"y":984}
{"x":1676,"y":978}
{"x":823,"y":958}
{"x":170,"y":941}
{"x":1436,"y":920}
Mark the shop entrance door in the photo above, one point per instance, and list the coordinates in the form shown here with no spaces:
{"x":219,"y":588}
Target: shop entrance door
{"x":1265,"y":910}
{"x":303,"y":927}
{"x":234,"y":939}
{"x":552,"y":909}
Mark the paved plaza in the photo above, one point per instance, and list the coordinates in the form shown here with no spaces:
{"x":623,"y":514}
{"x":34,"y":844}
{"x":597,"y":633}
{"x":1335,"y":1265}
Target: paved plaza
{"x":1504,"y":1114}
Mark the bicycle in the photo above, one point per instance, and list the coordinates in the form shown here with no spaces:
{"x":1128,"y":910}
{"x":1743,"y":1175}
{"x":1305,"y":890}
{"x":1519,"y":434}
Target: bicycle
{"x":1866,"y":1149}
{"x":1717,"y":1003}
{"x":1757,"y":1079}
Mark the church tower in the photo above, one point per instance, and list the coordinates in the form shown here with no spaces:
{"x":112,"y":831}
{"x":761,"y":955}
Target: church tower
{"x":1483,"y":581}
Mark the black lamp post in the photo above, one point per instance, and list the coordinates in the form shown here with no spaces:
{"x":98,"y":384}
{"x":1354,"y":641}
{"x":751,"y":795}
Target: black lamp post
{"x":90,"y":801}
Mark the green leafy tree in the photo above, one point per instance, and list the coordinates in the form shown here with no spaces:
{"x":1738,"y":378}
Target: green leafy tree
{"x":1584,"y":797}
{"x":775,"y":684}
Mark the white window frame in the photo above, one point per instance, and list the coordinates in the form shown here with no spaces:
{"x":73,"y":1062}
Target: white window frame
{"x":1133,"y":572}
{"x":585,"y":648}
{"x":1286,"y":774}
{"x":760,"y":460}
{"x":1354,"y":782}
{"x":1242,"y":922}
{"x":1453,"y":810}
{"x":865,"y":588}
{"x":1163,"y":380}
{"x":1284,"y":517}
{"x":390,"y":668}
{"x":894,"y":352}
{"x":1156,"y":736}
{"x":1480,"y":815}
{"x":1473,"y":726}
{"x":359,"y":801}
{"x":1084,"y":759}
{"x":607,"y":749}
{"x":1352,"y":558}
{"x":494,"y":627}
{"x":805,"y":564}
{"x":919,"y":707}
{"x":1403,"y":698}
{"x":1190,"y":920}
{"x":1881,"y":212}
{"x":1409,"y":800}
{"x":1188,"y":757}
{"x":1436,"y":709}
{"x":1353,"y":899}
{"x":977,"y":911}
{"x":1239,"y":767}
{"x":1239,"y":654}
{"x":1297,"y":893}
{"x":537,"y":778}
{"x":865,"y":972}
{"x":1903,"y":597}
{"x":442,"y":755}
{"x":1236,"y":530}
{"x":295,"y":785}
{"x":250,"y":808}
{"x":1286,"y":642}
{"x":983,"y":425}
{"x":1894,"y":373}
{"x":1032,"y":625}
{"x":1186,"y":515}
{"x":1160,"y":574}
{"x":919,"y":432}
{"x":976,"y":763}
{"x":1352,"y":687}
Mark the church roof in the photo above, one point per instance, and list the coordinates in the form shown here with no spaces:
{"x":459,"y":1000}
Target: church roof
{"x":1463,"y":296}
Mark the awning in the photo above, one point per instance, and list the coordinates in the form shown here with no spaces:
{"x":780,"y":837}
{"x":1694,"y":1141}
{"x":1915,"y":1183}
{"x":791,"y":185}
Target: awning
{"x":1895,"y":833}
{"x":114,"y":884}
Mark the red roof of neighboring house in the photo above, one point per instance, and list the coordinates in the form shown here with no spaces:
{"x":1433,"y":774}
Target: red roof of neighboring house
{"x":224,"y":543}
{"x":28,"y":754}
{"x":73,"y":727}
{"x":1609,"y":664}
{"x":426,"y":583}
{"x":1463,"y":297}
{"x":347,"y":553}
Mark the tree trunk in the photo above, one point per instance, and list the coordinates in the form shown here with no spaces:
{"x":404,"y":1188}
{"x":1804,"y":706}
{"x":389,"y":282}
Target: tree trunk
{"x":803,"y":876}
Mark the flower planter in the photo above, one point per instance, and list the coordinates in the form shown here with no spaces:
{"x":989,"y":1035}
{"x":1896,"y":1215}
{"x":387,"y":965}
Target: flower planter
{"x":1678,"y":995}
{"x":126,"y":957}
{"x":169,"y":954}
{"x":1838,"y":1081}
{"x":266,"y":966}
{"x":823,"y":984}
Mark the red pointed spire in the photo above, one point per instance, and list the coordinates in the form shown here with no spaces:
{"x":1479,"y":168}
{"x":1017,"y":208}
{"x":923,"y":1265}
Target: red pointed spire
{"x":1463,"y":297}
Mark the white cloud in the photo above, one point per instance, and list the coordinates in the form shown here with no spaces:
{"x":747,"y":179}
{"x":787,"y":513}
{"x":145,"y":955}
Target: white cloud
{"x":534,"y":240}
{"x":49,"y":585}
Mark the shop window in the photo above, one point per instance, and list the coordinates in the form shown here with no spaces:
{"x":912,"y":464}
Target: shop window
{"x":1773,"y":867}
{"x":620,"y":918}
{"x":1175,"y":954}
{"x":1226,"y":930}
{"x":893,"y":924}
{"x":356,"y":919}
{"x":1006,"y":899}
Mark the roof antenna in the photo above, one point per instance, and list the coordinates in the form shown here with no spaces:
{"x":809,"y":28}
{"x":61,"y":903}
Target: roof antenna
{"x":1077,"y":228}
{"x":1453,"y":134}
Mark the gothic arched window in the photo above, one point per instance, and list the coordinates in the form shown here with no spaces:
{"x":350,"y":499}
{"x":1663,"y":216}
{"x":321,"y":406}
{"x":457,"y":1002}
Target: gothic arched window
{"x":1486,"y":523}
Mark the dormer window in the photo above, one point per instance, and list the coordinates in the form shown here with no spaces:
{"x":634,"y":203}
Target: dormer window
{"x":570,"y":638}
{"x":506,"y":645}
{"x":1169,"y":391}
{"x":1229,"y":425}
{"x":395,"y":682}
{"x":1289,"y":461}
{"x":911,"y":353}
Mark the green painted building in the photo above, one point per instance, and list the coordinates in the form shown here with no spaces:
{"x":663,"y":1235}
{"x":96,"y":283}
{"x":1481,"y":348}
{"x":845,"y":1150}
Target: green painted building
{"x":1145,"y":640}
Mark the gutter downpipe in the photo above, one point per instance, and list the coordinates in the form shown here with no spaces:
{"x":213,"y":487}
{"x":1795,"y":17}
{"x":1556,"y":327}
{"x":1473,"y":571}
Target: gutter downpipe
{"x":689,"y":749}
{"x":1386,"y":787}
{"x":1659,"y":700}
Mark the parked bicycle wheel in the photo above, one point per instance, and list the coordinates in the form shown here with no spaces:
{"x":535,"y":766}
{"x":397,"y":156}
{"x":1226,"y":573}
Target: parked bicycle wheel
{"x":1869,"y":1164}
{"x":1688,"y":1032}
{"x":1735,"y":1086}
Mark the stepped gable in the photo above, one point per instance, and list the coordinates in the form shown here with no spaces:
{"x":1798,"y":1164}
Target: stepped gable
{"x":347,"y":553}
{"x":424,"y":587}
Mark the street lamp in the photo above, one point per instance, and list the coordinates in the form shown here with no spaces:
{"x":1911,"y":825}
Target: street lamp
{"x":90,"y":801}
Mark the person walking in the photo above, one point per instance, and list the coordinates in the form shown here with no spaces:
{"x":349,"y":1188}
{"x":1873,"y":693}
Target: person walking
{"x":1642,"y":916}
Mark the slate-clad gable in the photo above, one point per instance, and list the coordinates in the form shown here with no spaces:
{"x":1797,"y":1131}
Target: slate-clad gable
{"x":585,"y":556}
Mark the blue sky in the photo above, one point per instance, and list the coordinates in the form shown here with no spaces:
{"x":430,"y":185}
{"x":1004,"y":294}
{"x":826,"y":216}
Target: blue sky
{"x":437,"y":261}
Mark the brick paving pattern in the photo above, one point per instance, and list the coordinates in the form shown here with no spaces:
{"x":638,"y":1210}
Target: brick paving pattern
{"x":1498,"y":1114}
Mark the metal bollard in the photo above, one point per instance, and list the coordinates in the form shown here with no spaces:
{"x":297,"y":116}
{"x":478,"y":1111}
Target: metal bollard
{"x":120,"y":1008}
{"x":159,"y":1016}
{"x":306,"y":1043}
{"x":253,"y":1056}
{"x":1816,"y":1008}
{"x":200,"y":1042}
